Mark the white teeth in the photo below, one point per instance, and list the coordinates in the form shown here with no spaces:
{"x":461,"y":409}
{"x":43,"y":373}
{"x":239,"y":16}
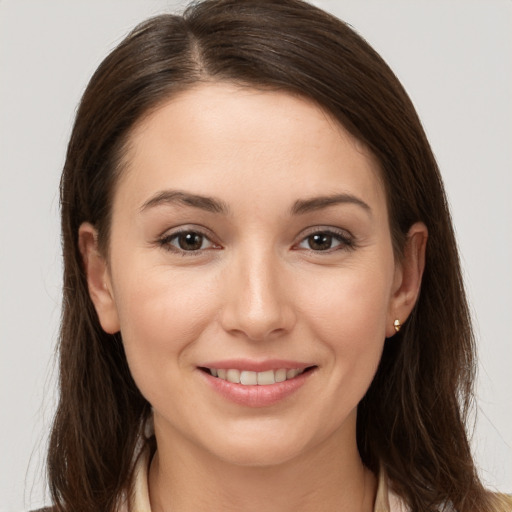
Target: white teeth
{"x":265,"y":378}
{"x":248,"y":378}
{"x":233,"y":376}
{"x":280,"y":375}
{"x":290,"y":374}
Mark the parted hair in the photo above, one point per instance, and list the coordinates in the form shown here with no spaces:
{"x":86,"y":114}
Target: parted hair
{"x":412,"y":420}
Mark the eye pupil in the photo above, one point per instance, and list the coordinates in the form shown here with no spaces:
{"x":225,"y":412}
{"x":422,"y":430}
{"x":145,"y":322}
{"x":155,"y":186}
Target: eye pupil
{"x":320,"y":241}
{"x":190,"y":241}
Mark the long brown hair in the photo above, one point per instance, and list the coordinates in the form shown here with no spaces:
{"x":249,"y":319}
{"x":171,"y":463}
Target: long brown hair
{"x":412,"y":419}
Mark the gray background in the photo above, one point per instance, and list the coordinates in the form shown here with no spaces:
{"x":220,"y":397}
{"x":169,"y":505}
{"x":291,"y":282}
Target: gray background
{"x":454,"y":58}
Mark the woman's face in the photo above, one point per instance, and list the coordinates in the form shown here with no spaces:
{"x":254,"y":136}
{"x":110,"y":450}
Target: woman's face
{"x":250,"y":240}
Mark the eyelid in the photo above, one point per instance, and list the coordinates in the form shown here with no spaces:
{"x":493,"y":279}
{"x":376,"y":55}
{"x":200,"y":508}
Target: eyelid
{"x":346,"y":239}
{"x":164,"y":240}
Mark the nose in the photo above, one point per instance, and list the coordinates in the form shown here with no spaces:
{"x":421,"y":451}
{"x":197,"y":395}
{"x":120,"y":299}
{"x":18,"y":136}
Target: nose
{"x":257,"y":303}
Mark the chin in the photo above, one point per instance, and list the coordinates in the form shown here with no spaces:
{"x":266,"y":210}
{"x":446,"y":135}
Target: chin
{"x":258,"y":455}
{"x":270,"y":445}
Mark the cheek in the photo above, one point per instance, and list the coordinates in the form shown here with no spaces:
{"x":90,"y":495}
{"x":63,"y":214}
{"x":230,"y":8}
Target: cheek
{"x":351,"y":302}
{"x":347,"y":315}
{"x":161,"y":315}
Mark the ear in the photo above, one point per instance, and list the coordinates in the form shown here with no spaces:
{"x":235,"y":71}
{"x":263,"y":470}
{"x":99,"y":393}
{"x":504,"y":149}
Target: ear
{"x":98,"y":278}
{"x":408,"y":275}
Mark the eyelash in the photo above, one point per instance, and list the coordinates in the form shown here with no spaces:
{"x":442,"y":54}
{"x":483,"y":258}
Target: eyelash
{"x":345,"y":241}
{"x":166,"y":242}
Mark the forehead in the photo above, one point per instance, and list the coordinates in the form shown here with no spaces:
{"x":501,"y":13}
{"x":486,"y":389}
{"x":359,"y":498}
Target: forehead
{"x":227,"y":140}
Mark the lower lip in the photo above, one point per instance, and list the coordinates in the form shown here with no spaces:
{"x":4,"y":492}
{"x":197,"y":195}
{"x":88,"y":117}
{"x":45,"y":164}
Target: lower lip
{"x":256,"y":396}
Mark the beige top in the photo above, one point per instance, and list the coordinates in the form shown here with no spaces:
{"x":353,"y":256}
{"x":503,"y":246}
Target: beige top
{"x":386,"y":500}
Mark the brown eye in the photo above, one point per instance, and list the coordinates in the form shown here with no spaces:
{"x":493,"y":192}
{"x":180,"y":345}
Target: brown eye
{"x":327,"y":241}
{"x":190,"y":241}
{"x":320,"y":241}
{"x":187,"y":242}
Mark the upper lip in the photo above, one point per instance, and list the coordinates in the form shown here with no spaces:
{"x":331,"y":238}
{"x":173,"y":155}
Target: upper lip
{"x":255,"y":366}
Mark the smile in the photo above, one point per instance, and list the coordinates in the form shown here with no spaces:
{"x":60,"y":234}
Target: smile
{"x":251,"y":378}
{"x":256,"y":383}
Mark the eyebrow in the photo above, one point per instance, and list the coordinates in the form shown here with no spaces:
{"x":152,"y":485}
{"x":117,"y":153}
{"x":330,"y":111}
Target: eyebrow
{"x":172,"y":197}
{"x":302,"y":206}
{"x":209,"y":204}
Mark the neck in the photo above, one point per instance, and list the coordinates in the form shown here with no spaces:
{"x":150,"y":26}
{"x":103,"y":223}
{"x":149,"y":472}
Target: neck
{"x":329,"y":478}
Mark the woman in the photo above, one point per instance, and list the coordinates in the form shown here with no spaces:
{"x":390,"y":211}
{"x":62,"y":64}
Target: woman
{"x":258,"y":259}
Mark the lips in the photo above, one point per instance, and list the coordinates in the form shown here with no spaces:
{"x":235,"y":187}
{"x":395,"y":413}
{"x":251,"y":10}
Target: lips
{"x":256,"y":384}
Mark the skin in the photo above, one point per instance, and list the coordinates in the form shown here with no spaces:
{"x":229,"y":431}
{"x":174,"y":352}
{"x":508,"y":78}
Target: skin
{"x":258,"y":289}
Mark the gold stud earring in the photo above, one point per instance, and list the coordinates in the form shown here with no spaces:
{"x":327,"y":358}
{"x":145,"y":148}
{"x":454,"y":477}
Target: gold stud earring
{"x":397,"y":325}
